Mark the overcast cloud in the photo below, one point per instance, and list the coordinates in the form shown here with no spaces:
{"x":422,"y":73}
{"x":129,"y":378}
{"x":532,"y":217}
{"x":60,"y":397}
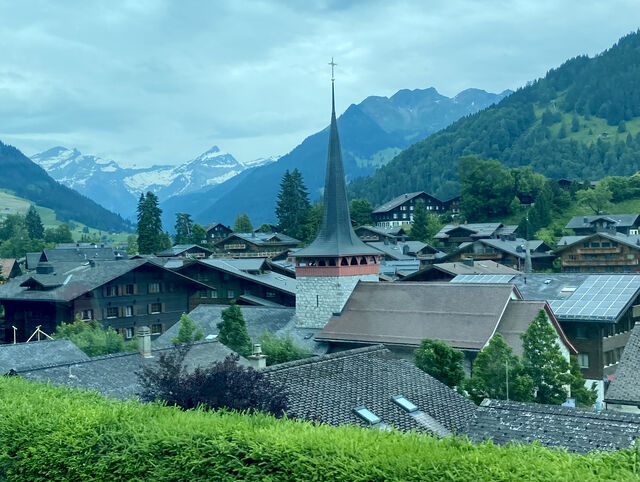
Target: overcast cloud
{"x":159,"y":82}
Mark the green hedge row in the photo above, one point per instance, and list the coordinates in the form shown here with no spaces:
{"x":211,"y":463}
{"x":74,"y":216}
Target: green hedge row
{"x":51,"y":433}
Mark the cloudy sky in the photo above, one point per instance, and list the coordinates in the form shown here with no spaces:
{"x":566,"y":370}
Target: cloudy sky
{"x":152,"y":81}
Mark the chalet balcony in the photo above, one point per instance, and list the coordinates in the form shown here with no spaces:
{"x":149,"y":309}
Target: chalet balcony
{"x":600,"y":250}
{"x":599,"y":262}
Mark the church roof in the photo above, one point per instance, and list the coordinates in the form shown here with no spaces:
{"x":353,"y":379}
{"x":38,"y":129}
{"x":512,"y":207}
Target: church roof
{"x":336,"y":236}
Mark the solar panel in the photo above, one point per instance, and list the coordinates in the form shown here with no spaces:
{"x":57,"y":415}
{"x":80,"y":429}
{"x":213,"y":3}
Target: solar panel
{"x":483,"y":278}
{"x":599,"y":297}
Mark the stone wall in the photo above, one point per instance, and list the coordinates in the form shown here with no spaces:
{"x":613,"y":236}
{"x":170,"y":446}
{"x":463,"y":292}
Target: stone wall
{"x":319,"y":297}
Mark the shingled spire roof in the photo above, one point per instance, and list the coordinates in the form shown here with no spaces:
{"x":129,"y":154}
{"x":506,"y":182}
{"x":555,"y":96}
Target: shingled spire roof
{"x":336,"y":236}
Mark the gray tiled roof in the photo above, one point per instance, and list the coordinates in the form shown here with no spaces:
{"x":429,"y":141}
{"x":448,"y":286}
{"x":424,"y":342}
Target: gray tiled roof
{"x":477,"y":230}
{"x":24,"y":356}
{"x":516,"y":247}
{"x":625,"y":387}
{"x":406,"y":313}
{"x":258,"y":319}
{"x":329,"y":387}
{"x":115,"y":375}
{"x":268,"y":278}
{"x":397,"y":250}
{"x":179,"y":249}
{"x":553,"y":425}
{"x":32,"y":260}
{"x":264,"y":239}
{"x":478,"y":267}
{"x":622,"y":220}
{"x":67,"y":253}
{"x":631,"y":240}
{"x":397,"y":201}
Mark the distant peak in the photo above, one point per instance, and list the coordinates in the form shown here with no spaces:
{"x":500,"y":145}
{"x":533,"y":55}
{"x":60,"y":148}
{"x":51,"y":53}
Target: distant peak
{"x":213,"y":150}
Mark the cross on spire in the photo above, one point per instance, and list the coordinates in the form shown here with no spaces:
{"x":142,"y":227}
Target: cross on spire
{"x":332,"y":64}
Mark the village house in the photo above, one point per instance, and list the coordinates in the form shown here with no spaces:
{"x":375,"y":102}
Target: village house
{"x":507,"y":250}
{"x":400,"y":210}
{"x":121,"y":294}
{"x":453,"y":235}
{"x":393,"y":250}
{"x":74,"y":253}
{"x":610,"y":252}
{"x":246,"y":280}
{"x":217,"y":231}
{"x":370,"y":234}
{"x":185,"y":251}
{"x":617,"y":223}
{"x":401,"y":315}
{"x":597,"y":312}
{"x":448,"y":271}
{"x":256,"y":245}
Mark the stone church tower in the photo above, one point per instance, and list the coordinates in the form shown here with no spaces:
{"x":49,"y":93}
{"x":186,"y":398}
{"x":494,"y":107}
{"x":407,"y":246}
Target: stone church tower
{"x":329,"y":268}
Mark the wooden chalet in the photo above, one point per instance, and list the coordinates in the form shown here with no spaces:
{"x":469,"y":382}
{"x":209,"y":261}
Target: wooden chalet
{"x":507,"y":250}
{"x":400,"y":210}
{"x":121,"y":294}
{"x":612,"y":223}
{"x":370,"y":234}
{"x":257,"y":245}
{"x":600,"y":252}
{"x":186,"y":251}
{"x":453,"y":235}
{"x":217,"y":231}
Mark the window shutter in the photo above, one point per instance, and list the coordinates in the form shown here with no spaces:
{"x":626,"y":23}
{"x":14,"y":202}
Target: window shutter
{"x":119,"y":290}
{"x":164,"y":310}
{"x":102,"y":312}
{"x":135,"y":289}
{"x":149,"y":309}
{"x":121,"y":312}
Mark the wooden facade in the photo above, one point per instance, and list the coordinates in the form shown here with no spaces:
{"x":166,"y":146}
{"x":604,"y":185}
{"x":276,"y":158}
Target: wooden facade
{"x":400,"y":210}
{"x":600,"y":253}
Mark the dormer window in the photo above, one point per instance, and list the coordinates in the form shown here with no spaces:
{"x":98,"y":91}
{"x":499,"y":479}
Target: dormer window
{"x":367,"y":415}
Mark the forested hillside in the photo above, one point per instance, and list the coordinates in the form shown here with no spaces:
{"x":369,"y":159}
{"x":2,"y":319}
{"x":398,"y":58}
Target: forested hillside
{"x":28,"y":180}
{"x":581,"y":121}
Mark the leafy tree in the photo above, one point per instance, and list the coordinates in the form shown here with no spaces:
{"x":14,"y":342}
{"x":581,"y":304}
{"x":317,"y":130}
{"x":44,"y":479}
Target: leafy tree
{"x":33,"y":224}
{"x":486,"y":188}
{"x":183,"y":228}
{"x":281,"y":348}
{"x":585,"y":397}
{"x":361,"y":212}
{"x":224,"y":384}
{"x":425,"y":224}
{"x":189,"y":331}
{"x":232,"y":331}
{"x":61,"y":234}
{"x":150,"y":225}
{"x":490,"y":374}
{"x":242,"y":224}
{"x":198,"y":234}
{"x":164,"y":241}
{"x":11,"y":225}
{"x":265,"y":228}
{"x":543,"y":361}
{"x":440,"y":361}
{"x":132,"y":244}
{"x":597,"y":199}
{"x":293,"y":204}
{"x":93,"y":338}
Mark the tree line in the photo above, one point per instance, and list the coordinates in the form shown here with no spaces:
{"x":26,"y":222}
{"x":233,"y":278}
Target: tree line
{"x":20,"y":234}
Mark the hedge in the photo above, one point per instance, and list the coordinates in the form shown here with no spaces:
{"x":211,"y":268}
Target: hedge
{"x":58,"y":433}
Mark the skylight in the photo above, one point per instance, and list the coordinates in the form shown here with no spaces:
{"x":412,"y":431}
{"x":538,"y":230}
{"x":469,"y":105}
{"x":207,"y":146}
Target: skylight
{"x":367,"y":415}
{"x":405,"y":404}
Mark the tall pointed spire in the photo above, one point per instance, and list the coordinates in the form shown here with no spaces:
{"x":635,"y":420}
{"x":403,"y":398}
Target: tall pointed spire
{"x":336,"y":236}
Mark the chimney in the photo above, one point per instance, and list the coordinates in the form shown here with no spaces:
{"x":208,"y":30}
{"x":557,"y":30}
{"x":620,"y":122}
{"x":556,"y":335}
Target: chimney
{"x":257,"y":360}
{"x":144,"y":341}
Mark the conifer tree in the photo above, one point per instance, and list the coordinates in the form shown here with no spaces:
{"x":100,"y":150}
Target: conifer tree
{"x":490,"y":370}
{"x":33,"y":224}
{"x":360,"y":211}
{"x":198,"y":234}
{"x":293,"y":204}
{"x":183,"y":228}
{"x":242,"y":224}
{"x":189,"y":331}
{"x":150,"y":235}
{"x":543,"y":361}
{"x":232,"y":331}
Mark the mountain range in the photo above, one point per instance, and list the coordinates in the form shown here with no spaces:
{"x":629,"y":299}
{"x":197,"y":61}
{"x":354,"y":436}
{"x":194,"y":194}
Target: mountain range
{"x":372,"y":133}
{"x":26,"y":179}
{"x":581,"y":121}
{"x":118,"y":188}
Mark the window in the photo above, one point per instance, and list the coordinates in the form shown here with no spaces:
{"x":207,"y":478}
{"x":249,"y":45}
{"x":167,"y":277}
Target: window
{"x":128,"y":311}
{"x":581,"y":332}
{"x":112,"y":312}
{"x":585,"y":245}
{"x":583,"y":360}
{"x":112,"y":291}
{"x":367,"y":415}
{"x":595,"y":245}
{"x":171,"y":286}
{"x":128,"y":333}
{"x":405,"y":404}
{"x":156,"y":328}
{"x":231,"y":294}
{"x":155,"y":307}
{"x":605,"y":245}
{"x":86,"y":315}
{"x":130,"y":290}
{"x":203,"y":294}
{"x":154,"y":287}
{"x":213,"y":293}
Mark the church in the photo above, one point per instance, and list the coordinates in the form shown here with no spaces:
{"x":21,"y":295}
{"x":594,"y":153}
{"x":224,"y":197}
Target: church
{"x":329,"y":268}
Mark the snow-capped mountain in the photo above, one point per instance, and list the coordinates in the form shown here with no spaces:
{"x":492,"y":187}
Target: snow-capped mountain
{"x":119,"y":188}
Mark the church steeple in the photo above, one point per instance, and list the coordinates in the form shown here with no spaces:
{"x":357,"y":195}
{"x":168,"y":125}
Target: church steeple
{"x":336,"y":236}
